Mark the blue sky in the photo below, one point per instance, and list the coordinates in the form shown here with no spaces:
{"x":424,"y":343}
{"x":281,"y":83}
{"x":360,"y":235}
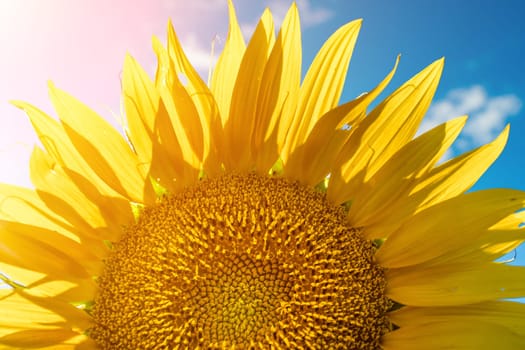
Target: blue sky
{"x":482,"y":41}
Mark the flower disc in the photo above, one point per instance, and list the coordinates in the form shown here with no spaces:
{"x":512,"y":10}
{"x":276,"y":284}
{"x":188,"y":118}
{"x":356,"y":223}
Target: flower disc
{"x":242,"y":261}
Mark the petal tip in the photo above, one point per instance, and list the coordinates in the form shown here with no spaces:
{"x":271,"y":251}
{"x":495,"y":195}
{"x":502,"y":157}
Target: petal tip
{"x":18,"y":104}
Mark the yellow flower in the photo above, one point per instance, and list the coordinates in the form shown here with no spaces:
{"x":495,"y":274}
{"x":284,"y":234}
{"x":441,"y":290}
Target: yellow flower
{"x":258,"y":213}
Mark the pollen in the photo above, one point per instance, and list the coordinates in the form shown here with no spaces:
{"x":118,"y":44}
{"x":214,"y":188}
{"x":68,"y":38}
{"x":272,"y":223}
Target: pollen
{"x":241,"y":262}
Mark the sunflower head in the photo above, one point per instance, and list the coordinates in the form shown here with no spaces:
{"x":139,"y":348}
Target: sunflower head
{"x":237,"y":260}
{"x":258,"y":212}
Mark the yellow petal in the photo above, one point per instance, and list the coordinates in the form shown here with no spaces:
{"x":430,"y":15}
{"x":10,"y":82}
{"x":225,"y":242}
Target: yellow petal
{"x":491,"y":244}
{"x":227,"y":66}
{"x":207,"y":117}
{"x":323,"y":83}
{"x":311,"y":168}
{"x":459,"y":174}
{"x":85,"y":343}
{"x":377,"y":197}
{"x":113,"y":207}
{"x":22,"y":205}
{"x":389,"y":127}
{"x":66,"y":246}
{"x":439,"y":184}
{"x":45,"y":321}
{"x":447,"y":226}
{"x":64,"y":291}
{"x":358,"y":112}
{"x":150,"y":129}
{"x":181,"y":107}
{"x":72,"y":316}
{"x":503,"y":313}
{"x":20,"y":249}
{"x":37,"y":338}
{"x":184,"y":120}
{"x":240,"y":126}
{"x":102,"y":147}
{"x":312,"y":161}
{"x":24,"y":277}
{"x":19,"y":313}
{"x":172,"y":135}
{"x":453,"y":335}
{"x":455,"y":284}
{"x":115,"y":211}
{"x":59,"y":146}
{"x":62,"y":196}
{"x":278,"y":93}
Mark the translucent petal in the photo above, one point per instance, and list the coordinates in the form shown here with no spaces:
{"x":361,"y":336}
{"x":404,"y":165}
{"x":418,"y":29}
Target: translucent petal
{"x":170,"y":132}
{"x":455,"y":284}
{"x":313,"y":160}
{"x":227,"y":66}
{"x":503,"y":313}
{"x":23,"y":311}
{"x":184,"y":122}
{"x":489,"y":245}
{"x":150,"y":129}
{"x":207,"y":113}
{"x":389,"y":127}
{"x":37,"y":338}
{"x":459,"y":174}
{"x":324,"y":81}
{"x":239,"y":128}
{"x":453,"y":335}
{"x":62,"y":196}
{"x":278,"y":92}
{"x":377,"y":197}
{"x":23,"y":206}
{"x":58,"y":145}
{"x":447,"y":226}
{"x":441,"y":183}
{"x":102,"y":147}
{"x":46,"y":256}
{"x":24,"y":277}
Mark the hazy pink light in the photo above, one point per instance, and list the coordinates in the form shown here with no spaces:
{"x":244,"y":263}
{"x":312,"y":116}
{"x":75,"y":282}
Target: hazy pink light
{"x":80,"y":46}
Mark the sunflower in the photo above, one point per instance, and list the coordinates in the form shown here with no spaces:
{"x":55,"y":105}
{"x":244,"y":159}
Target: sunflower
{"x":258,"y":212}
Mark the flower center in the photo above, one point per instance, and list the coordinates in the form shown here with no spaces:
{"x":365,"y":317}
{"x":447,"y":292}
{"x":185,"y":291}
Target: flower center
{"x":239,"y":262}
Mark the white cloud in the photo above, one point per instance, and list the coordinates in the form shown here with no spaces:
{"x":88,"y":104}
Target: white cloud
{"x":195,"y":5}
{"x":310,"y":16}
{"x":456,"y":103}
{"x":313,"y":16}
{"x":489,"y":121}
{"x":487,"y":114}
{"x":200,"y":55}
